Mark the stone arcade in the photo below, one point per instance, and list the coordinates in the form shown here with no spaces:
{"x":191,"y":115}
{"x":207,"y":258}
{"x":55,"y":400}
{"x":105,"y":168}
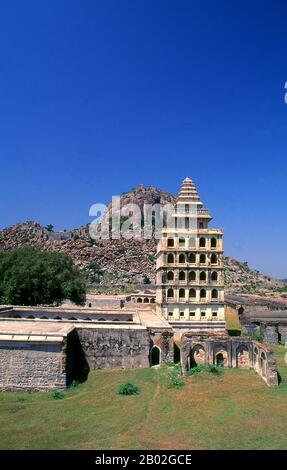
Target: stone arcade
{"x":44,"y":348}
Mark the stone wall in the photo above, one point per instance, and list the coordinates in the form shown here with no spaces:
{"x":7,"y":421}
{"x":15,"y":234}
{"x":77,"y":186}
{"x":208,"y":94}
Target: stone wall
{"x":115,"y":348}
{"x":229,"y":352}
{"x":269,"y":333}
{"x":32,"y":366}
{"x":274,"y":332}
{"x":282,"y":331}
{"x":48,"y":365}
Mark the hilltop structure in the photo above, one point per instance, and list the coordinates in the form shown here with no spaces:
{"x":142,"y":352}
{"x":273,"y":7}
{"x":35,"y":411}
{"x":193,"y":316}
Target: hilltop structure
{"x":190,"y":286}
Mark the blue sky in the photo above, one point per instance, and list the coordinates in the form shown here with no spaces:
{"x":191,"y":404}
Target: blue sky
{"x":99,"y":96}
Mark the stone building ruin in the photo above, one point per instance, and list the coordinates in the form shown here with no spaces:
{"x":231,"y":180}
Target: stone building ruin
{"x":47,"y":348}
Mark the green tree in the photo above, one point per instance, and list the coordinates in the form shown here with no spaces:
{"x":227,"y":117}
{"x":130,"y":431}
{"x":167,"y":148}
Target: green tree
{"x":31,"y":277}
{"x":50,"y":228}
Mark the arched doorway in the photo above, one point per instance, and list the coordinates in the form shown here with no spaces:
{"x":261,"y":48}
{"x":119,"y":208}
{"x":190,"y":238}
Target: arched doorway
{"x":255,"y":359}
{"x":263,"y":364}
{"x":220,"y":360}
{"x":155,"y":356}
{"x":197,"y":356}
{"x":242,"y":358}
{"x":176,"y":354}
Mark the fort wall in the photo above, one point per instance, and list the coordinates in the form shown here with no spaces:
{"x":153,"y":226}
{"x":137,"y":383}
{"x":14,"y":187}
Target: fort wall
{"x":32,"y":366}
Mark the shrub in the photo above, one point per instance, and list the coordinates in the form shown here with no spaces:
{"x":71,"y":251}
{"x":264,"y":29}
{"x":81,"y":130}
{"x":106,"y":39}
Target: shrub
{"x":127,"y":388}
{"x":174,"y":378}
{"x":175,"y":382}
{"x":211,"y":368}
{"x":256,"y":336}
{"x":121,"y":251}
{"x":74,"y":384}
{"x":57,"y":395}
{"x":234,"y":332}
{"x":50,"y":228}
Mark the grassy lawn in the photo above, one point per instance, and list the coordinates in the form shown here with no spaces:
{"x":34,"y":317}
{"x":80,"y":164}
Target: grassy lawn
{"x":234,"y":410}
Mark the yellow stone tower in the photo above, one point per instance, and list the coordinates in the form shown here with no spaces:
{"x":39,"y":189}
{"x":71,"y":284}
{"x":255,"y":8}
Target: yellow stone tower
{"x":190,"y":285}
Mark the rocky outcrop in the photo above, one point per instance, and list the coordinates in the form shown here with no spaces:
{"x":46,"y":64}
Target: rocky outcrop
{"x":134,"y":258}
{"x":141,"y":195}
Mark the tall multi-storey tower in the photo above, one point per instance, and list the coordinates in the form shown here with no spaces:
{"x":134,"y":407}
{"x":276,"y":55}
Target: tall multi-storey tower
{"x":190,"y":286}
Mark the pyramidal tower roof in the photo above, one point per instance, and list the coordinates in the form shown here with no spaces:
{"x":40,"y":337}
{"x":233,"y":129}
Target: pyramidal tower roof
{"x":188,"y":193}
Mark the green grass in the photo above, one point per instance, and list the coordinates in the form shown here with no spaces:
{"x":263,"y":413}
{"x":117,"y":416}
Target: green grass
{"x":232,"y":410}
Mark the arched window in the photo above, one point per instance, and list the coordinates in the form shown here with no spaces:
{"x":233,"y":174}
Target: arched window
{"x":170,"y":293}
{"x":192,"y":258}
{"x":214,"y":294}
{"x":152,"y":301}
{"x":192,"y":293}
{"x":202,"y":293}
{"x":213,"y":259}
{"x":102,"y":319}
{"x":146,"y":300}
{"x":170,"y":276}
{"x":57,"y":318}
{"x":181,"y":293}
{"x":170,"y":258}
{"x":202,"y":242}
{"x":88,"y":319}
{"x":202,"y":259}
{"x":214,"y":276}
{"x":170,"y":242}
{"x":181,"y":276}
{"x":44,"y":318}
{"x":139,"y":300}
{"x":192,"y":276}
{"x":213,"y":243}
{"x":181,"y":258}
{"x":31,"y":317}
{"x":72,"y":318}
{"x":202,"y":276}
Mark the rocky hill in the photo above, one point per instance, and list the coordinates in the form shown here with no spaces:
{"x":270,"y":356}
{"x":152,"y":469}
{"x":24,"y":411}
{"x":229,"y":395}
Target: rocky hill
{"x":141,"y":195}
{"x":123,"y":261}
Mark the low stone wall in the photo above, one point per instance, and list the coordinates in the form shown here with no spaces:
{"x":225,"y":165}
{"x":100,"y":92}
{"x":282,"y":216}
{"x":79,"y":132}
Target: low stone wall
{"x":115,"y":348}
{"x":229,"y":352}
{"x":32,"y":366}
